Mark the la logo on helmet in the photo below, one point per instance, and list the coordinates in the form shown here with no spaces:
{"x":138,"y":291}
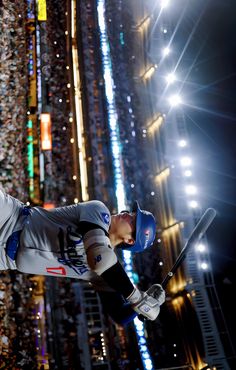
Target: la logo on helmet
{"x":147,"y":234}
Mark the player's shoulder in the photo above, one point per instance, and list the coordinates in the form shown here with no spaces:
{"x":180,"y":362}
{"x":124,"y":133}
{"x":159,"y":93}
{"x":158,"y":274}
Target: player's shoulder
{"x":95,"y":204}
{"x":96,"y":212}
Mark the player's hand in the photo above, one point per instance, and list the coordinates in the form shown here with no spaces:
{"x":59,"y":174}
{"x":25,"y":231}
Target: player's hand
{"x":149,"y":302}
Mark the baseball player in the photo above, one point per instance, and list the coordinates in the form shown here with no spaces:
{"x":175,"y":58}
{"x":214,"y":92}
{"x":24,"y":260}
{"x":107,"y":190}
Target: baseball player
{"x":79,"y":241}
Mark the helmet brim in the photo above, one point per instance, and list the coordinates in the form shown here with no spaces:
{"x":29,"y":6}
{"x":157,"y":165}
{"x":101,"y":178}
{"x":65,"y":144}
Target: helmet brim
{"x":136,"y":209}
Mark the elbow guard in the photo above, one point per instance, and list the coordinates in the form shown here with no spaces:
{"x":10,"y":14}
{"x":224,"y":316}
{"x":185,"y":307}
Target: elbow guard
{"x":100,"y":255}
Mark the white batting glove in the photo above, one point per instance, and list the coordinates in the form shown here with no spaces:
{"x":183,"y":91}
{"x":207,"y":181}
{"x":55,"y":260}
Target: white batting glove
{"x":148,"y":303}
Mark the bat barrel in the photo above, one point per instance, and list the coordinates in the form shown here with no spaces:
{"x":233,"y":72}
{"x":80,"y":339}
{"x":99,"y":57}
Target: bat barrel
{"x":198,"y":232}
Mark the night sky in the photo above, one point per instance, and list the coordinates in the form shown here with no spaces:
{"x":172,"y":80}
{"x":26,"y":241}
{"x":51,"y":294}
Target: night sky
{"x":211,"y":117}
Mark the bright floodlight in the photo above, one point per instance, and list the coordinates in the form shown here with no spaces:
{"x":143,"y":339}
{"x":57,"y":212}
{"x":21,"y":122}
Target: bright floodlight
{"x":175,"y":100}
{"x":200,"y":247}
{"x":170,"y":78}
{"x":166,"y":51}
{"x":182,"y":143}
{"x":204,"y":266}
{"x":185,"y":161}
{"x":164,"y":3}
{"x":188,"y":173}
{"x":193,"y":204}
{"x":191,"y":189}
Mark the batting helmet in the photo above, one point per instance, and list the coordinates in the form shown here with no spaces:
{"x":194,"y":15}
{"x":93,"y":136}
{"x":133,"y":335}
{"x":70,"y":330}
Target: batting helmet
{"x":145,"y":230}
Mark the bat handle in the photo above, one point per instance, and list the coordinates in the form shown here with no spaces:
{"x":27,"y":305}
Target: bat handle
{"x":167,"y":279}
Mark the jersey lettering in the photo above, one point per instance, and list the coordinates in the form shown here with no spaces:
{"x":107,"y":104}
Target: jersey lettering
{"x":56,"y":270}
{"x":69,"y":254}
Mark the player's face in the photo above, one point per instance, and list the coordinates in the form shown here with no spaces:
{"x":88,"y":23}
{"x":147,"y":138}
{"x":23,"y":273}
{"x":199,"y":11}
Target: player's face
{"x":125,"y":226}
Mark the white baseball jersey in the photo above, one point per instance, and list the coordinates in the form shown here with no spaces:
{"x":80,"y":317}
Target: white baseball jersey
{"x":53,"y":242}
{"x":10,"y":209}
{"x":69,"y":241}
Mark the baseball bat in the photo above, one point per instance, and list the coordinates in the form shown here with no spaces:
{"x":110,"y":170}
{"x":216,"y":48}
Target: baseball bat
{"x":197,"y":233}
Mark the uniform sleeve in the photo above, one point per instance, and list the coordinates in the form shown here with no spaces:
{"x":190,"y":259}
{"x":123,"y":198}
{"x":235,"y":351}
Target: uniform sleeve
{"x":116,"y":307}
{"x":102,"y":259}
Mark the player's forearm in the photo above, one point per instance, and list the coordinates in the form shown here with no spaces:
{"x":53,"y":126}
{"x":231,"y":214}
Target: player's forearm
{"x":117,"y":279}
{"x":102,"y":260}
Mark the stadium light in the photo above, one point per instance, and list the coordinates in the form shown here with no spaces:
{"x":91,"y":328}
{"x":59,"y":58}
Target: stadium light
{"x":185,"y":161}
{"x":188,"y":173}
{"x":193,"y":204}
{"x":175,"y":100}
{"x":170,"y":78}
{"x":204,"y":266}
{"x":200,"y":247}
{"x":164,"y":4}
{"x":166,"y":51}
{"x":182,"y":143}
{"x":191,"y":189}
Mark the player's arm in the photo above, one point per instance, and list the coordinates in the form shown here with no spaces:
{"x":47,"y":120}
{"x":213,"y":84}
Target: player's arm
{"x":117,"y":307}
{"x":102,"y":259}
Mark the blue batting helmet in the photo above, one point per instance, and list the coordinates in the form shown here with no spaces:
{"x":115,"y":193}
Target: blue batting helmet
{"x":145,"y":230}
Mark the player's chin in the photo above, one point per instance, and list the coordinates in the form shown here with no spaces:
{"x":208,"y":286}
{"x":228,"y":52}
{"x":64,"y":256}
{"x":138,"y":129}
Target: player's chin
{"x":120,"y":246}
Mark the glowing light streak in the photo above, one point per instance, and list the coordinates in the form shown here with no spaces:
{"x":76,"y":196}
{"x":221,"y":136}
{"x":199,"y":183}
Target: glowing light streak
{"x":39,"y":76}
{"x":117,"y":161}
{"x":155,"y":124}
{"x":112,"y":114}
{"x":78,"y":109}
{"x":163,"y":175}
{"x":149,"y":72}
{"x":143,"y":25}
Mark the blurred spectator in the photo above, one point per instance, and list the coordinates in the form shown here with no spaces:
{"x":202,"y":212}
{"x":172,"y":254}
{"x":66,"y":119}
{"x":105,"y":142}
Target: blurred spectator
{"x":13,"y":90}
{"x":17,"y":349}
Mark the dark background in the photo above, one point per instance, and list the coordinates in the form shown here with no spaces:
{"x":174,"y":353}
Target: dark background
{"x":211,"y":116}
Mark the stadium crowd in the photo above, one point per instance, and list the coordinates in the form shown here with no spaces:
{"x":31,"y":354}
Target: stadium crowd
{"x":13,"y":90}
{"x":17,"y":350}
{"x":56,"y":78}
{"x":17,"y":320}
